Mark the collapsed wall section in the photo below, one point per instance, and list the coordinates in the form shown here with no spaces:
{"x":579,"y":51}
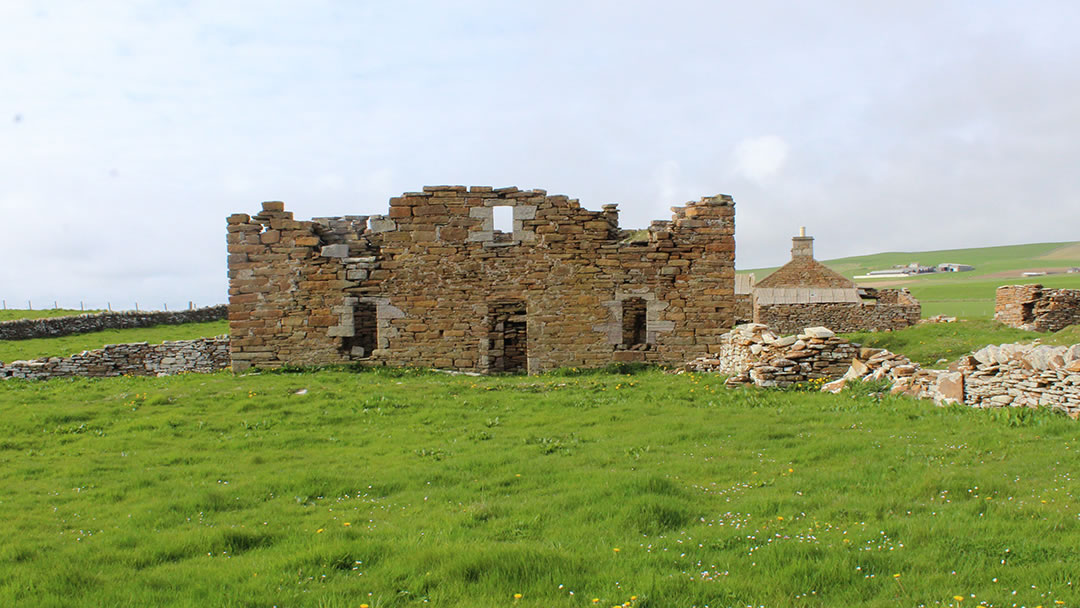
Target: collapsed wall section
{"x":433,"y":283}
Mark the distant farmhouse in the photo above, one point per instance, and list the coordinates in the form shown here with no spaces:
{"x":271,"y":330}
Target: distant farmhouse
{"x":914,"y":268}
{"x":805,"y":293}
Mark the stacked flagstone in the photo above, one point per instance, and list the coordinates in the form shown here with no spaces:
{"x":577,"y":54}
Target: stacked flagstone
{"x":752,"y":354}
{"x":138,"y":359}
{"x":1009,"y":375}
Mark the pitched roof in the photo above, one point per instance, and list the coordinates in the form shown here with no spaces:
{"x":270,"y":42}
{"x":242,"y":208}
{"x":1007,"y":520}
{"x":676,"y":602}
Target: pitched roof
{"x":805,"y":271}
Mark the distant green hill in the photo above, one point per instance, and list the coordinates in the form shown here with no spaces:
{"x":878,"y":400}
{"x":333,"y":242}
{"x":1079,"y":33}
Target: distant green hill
{"x":964,"y":294}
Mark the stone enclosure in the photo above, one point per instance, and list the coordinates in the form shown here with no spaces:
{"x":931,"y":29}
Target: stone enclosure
{"x":433,"y":283}
{"x":1036,"y":308}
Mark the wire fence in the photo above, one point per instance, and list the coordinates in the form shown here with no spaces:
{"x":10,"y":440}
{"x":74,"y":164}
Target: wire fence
{"x":5,"y":305}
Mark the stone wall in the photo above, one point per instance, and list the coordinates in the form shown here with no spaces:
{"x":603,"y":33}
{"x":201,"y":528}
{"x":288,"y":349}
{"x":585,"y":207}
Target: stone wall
{"x":140,"y":359}
{"x":1035,"y":308}
{"x":450,"y":291}
{"x":893,"y":309}
{"x":24,"y":329}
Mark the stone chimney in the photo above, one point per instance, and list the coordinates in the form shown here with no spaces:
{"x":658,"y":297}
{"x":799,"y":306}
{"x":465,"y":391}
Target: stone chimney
{"x":802,"y":246}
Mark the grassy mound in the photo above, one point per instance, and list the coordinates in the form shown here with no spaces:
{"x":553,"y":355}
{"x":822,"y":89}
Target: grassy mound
{"x":397,"y":489}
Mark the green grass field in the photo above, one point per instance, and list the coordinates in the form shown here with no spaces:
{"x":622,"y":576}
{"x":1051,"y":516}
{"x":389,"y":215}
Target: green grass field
{"x":10,"y":314}
{"x":37,"y":348}
{"x":968,"y":295}
{"x":929,"y":344}
{"x":377,"y":488}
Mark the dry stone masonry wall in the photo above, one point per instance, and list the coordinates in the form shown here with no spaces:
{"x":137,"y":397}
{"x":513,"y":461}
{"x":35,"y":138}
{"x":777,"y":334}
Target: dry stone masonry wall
{"x":1036,"y":308}
{"x":24,"y":329}
{"x":432,"y":283}
{"x":140,"y":359}
{"x":893,"y":309}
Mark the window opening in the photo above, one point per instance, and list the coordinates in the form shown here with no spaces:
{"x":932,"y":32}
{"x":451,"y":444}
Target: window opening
{"x":365,"y":329}
{"x":634,"y":322}
{"x":508,"y":337}
{"x":502,"y":218}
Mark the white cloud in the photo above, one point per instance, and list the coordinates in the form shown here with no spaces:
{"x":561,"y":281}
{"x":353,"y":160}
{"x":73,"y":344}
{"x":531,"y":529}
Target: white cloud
{"x":759,"y":158}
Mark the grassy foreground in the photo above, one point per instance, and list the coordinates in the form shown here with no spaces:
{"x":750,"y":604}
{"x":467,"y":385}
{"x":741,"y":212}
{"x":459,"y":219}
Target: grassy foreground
{"x":381,"y":488}
{"x":63,"y":346}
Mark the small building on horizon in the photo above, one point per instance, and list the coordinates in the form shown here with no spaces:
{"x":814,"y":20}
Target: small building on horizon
{"x":951,"y":267}
{"x":805,"y":293}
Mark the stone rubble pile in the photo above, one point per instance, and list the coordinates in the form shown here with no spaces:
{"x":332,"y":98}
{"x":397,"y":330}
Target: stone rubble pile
{"x":1019,"y":375}
{"x":138,"y":359}
{"x":1009,"y":375}
{"x":752,"y":354}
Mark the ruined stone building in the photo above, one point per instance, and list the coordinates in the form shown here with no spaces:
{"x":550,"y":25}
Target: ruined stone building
{"x":435,"y":283}
{"x":1036,"y":308}
{"x":805,"y":293}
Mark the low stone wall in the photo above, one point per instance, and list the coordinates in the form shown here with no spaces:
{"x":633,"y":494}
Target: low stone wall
{"x":140,"y":359}
{"x":1035,"y":308}
{"x":893,"y":309}
{"x":24,"y":329}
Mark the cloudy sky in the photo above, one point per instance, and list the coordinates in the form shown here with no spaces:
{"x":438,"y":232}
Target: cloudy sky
{"x":130,"y":129}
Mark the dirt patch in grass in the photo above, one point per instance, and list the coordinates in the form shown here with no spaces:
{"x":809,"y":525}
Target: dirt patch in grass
{"x":1068,"y":252}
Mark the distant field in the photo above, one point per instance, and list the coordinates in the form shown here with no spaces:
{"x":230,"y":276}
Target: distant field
{"x":13,"y":350}
{"x":10,"y":314}
{"x":968,"y":295}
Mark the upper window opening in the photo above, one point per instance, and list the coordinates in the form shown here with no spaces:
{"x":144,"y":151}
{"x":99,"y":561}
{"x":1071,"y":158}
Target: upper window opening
{"x":503,"y":219}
